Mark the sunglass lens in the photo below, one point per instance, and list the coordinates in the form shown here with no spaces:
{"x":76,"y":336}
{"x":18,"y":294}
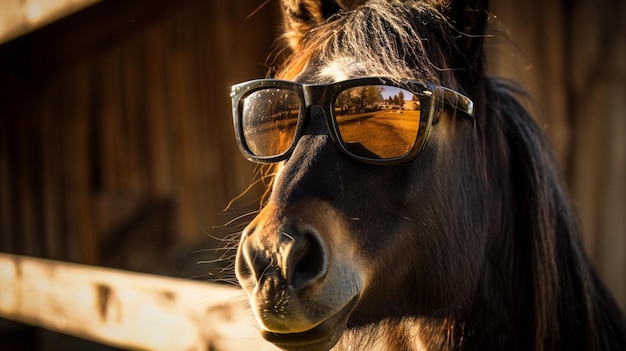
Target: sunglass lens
{"x":377,"y":121}
{"x":269,"y":118}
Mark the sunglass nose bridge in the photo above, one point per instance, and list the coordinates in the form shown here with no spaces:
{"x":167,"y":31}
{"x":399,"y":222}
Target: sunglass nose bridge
{"x":316,"y":123}
{"x":316,"y":95}
{"x":318,"y":110}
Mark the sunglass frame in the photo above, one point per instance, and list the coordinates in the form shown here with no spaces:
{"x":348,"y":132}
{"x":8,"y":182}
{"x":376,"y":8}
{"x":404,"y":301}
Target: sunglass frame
{"x":324,"y":96}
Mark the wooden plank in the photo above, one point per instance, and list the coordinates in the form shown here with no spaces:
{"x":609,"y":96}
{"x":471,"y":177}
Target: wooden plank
{"x":18,"y":17}
{"x":126,"y":309}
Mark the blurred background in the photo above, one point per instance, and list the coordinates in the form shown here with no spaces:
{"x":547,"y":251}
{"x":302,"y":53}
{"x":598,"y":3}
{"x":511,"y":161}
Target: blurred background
{"x":116,"y":141}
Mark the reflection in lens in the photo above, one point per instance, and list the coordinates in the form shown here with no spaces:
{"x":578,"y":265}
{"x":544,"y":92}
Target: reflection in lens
{"x":269,"y":119}
{"x":378,"y":121}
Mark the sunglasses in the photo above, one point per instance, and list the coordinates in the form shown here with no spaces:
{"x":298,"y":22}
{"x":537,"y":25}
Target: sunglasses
{"x":373,"y":120}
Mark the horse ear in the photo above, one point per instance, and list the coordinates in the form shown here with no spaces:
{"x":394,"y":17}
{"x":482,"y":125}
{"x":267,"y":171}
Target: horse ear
{"x":303,"y":15}
{"x":469,"y":18}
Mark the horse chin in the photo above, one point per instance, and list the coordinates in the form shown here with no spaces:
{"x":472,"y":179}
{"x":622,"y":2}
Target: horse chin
{"x":321,"y":337}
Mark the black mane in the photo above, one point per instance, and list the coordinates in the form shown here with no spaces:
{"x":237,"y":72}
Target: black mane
{"x":572,"y":307}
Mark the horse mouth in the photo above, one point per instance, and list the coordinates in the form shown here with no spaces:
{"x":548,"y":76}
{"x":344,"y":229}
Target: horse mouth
{"x":321,"y":337}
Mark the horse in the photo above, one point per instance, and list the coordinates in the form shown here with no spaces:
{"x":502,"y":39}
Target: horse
{"x":414,"y":203}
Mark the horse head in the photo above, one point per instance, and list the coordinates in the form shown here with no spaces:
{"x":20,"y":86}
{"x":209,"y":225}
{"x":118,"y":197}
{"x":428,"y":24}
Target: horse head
{"x":388,"y":222}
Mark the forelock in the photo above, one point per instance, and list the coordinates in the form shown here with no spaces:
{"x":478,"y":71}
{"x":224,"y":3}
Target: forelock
{"x":404,"y":40}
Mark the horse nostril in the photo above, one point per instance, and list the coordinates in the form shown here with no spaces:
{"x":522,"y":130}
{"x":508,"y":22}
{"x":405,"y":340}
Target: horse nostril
{"x":295,"y":259}
{"x":251,"y":261}
{"x":242,"y":266}
{"x":307,"y":261}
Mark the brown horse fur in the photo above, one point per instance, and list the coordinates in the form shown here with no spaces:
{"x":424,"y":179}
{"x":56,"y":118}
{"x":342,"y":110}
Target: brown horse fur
{"x":471,"y":246}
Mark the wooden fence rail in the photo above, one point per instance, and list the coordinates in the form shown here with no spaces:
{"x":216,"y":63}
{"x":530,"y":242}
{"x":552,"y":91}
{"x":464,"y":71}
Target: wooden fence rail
{"x":126,"y":309}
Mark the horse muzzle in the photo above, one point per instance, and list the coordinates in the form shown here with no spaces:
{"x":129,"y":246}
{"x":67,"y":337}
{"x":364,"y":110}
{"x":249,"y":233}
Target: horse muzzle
{"x":301,"y":274}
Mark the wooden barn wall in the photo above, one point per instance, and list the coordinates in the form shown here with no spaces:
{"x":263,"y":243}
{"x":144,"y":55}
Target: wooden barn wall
{"x":116,"y":138}
{"x":123,"y":131}
{"x":571,"y":58}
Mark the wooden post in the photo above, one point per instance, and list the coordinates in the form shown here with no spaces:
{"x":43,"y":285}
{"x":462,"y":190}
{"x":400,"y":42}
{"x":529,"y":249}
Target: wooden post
{"x":126,"y":309}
